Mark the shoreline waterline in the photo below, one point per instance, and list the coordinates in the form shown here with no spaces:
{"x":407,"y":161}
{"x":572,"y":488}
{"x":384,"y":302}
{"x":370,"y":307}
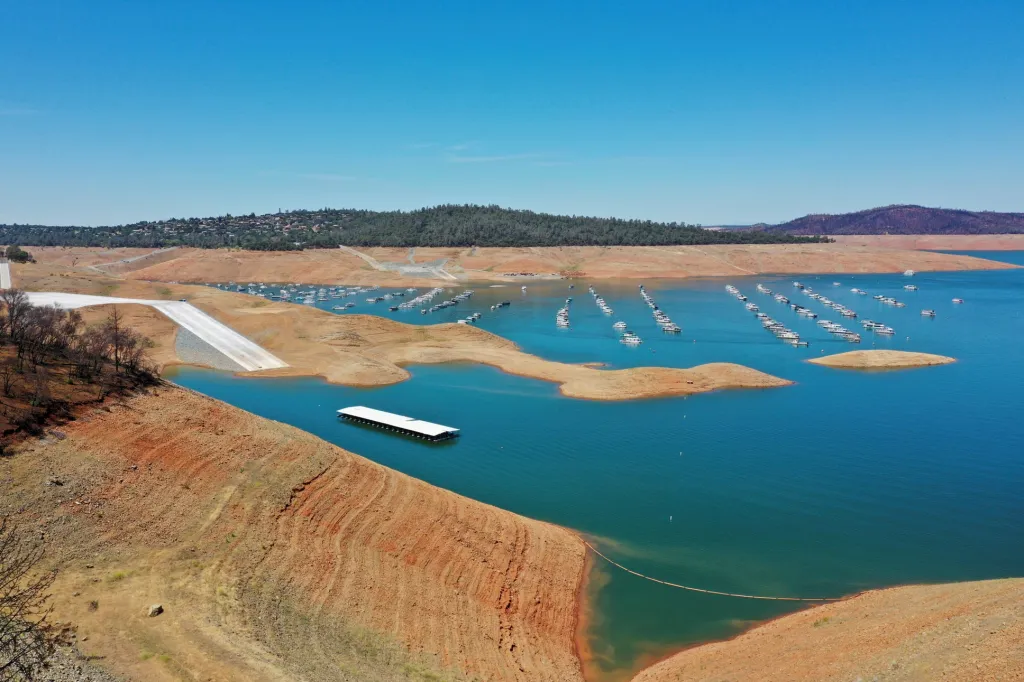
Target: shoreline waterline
{"x":754,"y":481}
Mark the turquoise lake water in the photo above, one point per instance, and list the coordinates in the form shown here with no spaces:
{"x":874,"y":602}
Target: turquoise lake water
{"x":842,"y":482}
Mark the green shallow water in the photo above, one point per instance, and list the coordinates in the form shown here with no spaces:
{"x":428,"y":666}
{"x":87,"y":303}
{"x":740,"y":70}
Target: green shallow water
{"x":842,"y":482}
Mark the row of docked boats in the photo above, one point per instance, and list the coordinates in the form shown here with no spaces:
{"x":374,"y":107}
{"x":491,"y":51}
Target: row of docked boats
{"x":605,"y":308}
{"x":421,"y":299}
{"x":660,"y":317}
{"x":781,"y":331}
{"x":735,"y":292}
{"x":889,"y":300}
{"x":626,"y":337}
{"x":453,"y":301}
{"x":826,"y":301}
{"x":562,"y":316}
{"x":789,"y":335}
{"x":839,"y":330}
{"x":835,"y":328}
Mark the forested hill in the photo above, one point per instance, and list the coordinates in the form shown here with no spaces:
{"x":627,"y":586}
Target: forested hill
{"x":439,"y":226}
{"x":904,"y":220}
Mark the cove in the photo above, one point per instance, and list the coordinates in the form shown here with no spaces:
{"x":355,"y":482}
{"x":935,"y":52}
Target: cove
{"x":842,"y":482}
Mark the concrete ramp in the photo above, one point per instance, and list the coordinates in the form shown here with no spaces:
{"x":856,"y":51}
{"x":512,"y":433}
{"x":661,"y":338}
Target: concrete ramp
{"x":233,"y":345}
{"x":5,"y":275}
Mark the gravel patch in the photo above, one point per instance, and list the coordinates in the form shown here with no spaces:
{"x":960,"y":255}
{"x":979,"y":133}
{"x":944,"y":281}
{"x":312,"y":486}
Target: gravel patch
{"x":69,"y":665}
{"x":193,"y":350}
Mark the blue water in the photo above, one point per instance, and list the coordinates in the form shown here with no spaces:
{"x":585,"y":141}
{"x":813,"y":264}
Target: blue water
{"x":842,"y":482}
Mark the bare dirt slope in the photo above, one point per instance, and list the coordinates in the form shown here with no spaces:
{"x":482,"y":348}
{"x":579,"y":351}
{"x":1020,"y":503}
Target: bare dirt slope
{"x":365,"y":350}
{"x":963,"y":632}
{"x":331,"y":266}
{"x":278,"y":556}
{"x":937,"y":242}
{"x":881,"y":359}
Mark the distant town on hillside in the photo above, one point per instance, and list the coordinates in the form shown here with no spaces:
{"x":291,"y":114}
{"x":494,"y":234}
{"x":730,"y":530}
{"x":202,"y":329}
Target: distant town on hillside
{"x":449,"y":225}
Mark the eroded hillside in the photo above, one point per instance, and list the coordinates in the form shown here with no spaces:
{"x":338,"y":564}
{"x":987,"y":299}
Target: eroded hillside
{"x":279,"y":556}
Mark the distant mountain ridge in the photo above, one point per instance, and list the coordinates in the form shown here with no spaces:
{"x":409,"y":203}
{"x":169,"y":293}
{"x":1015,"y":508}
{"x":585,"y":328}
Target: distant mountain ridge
{"x":905,"y":219}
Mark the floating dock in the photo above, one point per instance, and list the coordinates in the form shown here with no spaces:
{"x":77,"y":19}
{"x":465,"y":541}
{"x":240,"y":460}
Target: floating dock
{"x":398,"y":423}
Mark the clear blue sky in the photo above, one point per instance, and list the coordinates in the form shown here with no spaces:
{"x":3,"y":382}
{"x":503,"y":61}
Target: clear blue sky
{"x":710,"y":111}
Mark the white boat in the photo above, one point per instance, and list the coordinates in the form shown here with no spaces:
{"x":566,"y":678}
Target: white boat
{"x":928,"y":313}
{"x":910,"y":287}
{"x":908,"y":273}
{"x":958,"y":300}
{"x":619,"y":325}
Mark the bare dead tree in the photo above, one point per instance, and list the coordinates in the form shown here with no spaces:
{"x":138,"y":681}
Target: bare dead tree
{"x":89,"y":351}
{"x":70,"y":324}
{"x":15,"y":306}
{"x":40,"y":389}
{"x":7,"y":376}
{"x":25,"y":634}
{"x":116,"y":337}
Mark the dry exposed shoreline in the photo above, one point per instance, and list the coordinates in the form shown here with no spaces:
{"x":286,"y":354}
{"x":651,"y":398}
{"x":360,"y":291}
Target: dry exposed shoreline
{"x":185,"y":497}
{"x":956,"y":631}
{"x":266,"y":546}
{"x":271,"y":550}
{"x":376,"y":265}
{"x":365,"y":350}
{"x":937,"y":242}
{"x":881,"y":360}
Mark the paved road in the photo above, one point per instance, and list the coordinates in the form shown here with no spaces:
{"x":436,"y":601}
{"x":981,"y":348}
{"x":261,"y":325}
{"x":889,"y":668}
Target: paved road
{"x":241,"y":350}
{"x":100,"y":266}
{"x":5,"y":275}
{"x":431,"y":269}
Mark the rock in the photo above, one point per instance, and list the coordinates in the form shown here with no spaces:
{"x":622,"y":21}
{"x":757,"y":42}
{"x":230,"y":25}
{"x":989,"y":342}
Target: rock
{"x":53,"y":480}
{"x":155,"y":610}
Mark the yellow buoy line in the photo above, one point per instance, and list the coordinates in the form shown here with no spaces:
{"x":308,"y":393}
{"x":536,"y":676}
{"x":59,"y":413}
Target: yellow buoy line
{"x":698,"y":589}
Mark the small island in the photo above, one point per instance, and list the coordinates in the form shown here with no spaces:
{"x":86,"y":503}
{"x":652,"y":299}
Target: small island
{"x":882,"y":359}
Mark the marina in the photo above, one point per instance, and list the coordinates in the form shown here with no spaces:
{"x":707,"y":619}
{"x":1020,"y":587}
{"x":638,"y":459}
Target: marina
{"x":909,"y":508}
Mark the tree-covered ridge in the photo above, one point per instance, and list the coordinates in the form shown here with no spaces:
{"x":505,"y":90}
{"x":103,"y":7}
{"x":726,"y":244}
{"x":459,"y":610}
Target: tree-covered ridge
{"x":449,"y":225}
{"x":905,"y":220}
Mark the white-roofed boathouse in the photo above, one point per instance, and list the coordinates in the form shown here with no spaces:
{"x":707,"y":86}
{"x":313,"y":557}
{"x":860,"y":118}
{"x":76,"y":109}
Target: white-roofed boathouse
{"x":396,"y":422}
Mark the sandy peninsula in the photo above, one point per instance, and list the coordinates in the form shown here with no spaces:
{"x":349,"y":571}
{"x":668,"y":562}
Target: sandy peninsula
{"x":961,"y":631}
{"x":450,"y":266}
{"x":365,"y":350}
{"x":881,"y":359}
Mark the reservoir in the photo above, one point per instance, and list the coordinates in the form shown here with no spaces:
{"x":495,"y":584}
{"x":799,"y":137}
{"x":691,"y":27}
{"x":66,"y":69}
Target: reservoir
{"x":842,"y":482}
